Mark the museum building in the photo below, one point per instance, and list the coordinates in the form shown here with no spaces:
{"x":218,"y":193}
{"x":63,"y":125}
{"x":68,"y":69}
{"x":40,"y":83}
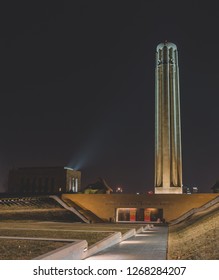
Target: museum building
{"x":44,"y":180}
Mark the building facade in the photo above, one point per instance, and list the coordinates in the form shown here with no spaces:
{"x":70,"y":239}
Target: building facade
{"x":44,"y":180}
{"x":168,"y":155}
{"x":139,"y":208}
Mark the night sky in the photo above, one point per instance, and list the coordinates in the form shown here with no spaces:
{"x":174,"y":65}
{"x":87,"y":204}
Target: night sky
{"x":77,"y":88}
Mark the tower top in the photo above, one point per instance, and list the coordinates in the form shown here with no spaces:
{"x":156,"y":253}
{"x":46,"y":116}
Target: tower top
{"x":166,"y":44}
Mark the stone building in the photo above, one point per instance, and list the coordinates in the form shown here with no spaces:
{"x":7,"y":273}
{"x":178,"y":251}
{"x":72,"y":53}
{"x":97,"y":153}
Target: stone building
{"x":44,"y":180}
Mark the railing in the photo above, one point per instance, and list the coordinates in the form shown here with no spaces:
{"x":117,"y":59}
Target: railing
{"x":195,"y":210}
{"x":83,"y":211}
{"x":72,"y":209}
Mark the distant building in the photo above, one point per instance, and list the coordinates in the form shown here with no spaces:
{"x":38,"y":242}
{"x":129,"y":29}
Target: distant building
{"x":194,"y":189}
{"x":215,"y":188}
{"x":190,"y":190}
{"x":99,"y":187}
{"x":186,"y":190}
{"x":44,"y":180}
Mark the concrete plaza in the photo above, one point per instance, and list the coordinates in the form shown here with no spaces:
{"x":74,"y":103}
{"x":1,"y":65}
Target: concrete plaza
{"x":151,"y":244}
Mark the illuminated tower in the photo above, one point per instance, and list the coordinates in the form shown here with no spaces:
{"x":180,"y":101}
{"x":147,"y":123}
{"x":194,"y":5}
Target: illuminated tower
{"x":168,"y":155}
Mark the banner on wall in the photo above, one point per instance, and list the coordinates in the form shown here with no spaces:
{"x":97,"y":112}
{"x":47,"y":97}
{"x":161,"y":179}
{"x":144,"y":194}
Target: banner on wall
{"x":147,"y":215}
{"x":132,"y":214}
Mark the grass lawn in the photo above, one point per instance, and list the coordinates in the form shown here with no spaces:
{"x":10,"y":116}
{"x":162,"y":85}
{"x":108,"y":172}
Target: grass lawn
{"x":198,"y":240}
{"x":28,"y":249}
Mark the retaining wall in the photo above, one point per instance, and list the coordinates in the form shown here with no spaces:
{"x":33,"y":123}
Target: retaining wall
{"x":173,"y":205}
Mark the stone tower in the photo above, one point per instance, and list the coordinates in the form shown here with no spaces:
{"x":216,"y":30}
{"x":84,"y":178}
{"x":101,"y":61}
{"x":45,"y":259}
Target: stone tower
{"x":168,"y":155}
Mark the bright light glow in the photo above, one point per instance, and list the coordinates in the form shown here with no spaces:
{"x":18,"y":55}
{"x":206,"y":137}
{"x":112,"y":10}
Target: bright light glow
{"x":119,"y":189}
{"x":68,"y":168}
{"x":131,"y":242}
{"x":151,"y":209}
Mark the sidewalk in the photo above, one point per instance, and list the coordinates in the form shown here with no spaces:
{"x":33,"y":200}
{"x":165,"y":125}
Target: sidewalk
{"x":148,"y":245}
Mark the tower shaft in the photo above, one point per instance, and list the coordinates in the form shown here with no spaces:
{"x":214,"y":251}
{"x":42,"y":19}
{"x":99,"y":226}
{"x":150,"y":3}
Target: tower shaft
{"x":168,"y":155}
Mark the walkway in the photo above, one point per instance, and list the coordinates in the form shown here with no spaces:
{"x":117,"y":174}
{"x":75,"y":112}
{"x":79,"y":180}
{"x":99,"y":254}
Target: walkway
{"x":148,"y":245}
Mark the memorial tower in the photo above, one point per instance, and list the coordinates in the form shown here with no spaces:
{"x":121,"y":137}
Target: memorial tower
{"x":168,"y":155}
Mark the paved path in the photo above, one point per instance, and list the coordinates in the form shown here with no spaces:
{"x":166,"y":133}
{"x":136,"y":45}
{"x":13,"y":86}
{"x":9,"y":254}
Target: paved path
{"x":148,"y":245}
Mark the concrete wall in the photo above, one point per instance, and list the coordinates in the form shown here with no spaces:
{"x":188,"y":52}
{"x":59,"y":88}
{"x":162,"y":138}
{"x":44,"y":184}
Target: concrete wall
{"x":173,"y":205}
{"x":105,"y":243}
{"x":73,"y":251}
{"x":80,"y":250}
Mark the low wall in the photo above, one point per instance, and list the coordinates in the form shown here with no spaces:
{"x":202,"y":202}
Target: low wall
{"x":140,"y":230}
{"x":72,"y":251}
{"x":173,"y":205}
{"x":104,"y":243}
{"x":78,"y":250}
{"x":128,"y":234}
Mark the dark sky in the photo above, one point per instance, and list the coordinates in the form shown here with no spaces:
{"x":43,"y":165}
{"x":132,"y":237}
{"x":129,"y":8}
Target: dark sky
{"x":77,"y":87}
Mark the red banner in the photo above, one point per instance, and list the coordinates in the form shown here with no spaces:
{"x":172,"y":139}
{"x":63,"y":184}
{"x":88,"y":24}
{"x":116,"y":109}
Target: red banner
{"x":132,"y":214}
{"x":147,"y":215}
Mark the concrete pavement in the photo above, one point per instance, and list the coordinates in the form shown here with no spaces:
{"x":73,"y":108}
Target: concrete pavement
{"x":151,"y":244}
